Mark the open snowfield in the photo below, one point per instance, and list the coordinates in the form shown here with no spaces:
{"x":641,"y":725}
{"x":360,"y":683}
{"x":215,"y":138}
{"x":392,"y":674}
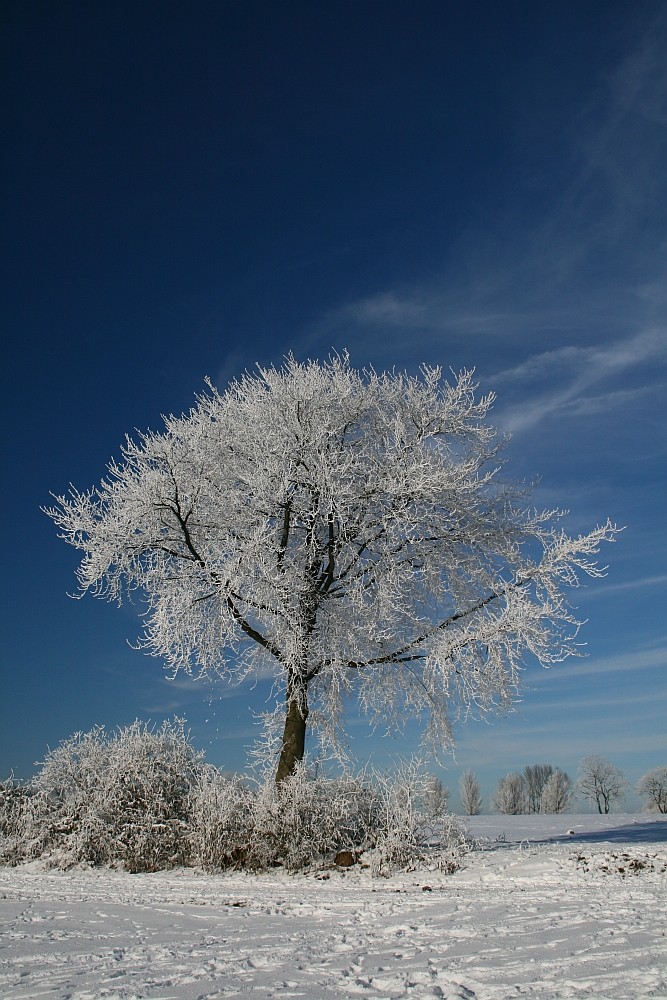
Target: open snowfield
{"x":537,"y":913}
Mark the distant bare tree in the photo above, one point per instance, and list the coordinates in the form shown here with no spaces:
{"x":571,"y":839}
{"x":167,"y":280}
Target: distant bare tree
{"x":510,"y":795}
{"x":557,"y":793}
{"x":435,"y":797}
{"x":536,"y":777}
{"x":471,"y":797}
{"x":652,"y":786}
{"x":601,"y":782}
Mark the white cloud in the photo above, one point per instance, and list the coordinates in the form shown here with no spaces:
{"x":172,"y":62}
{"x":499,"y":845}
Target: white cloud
{"x":603,"y":589}
{"x":628,"y":661}
{"x":579,"y":370}
{"x":576,"y":293}
{"x":591,"y":363}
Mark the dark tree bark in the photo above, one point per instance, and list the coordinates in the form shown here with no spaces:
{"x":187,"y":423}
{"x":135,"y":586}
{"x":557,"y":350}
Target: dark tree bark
{"x":294,"y":733}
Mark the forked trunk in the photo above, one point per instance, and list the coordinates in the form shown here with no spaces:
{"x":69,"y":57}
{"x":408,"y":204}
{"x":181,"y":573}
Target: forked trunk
{"x":294,"y":735}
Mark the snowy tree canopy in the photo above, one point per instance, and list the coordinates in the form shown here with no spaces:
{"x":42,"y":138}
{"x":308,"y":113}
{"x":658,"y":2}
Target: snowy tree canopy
{"x":510,"y":797}
{"x":652,"y":787}
{"x":352,"y":529}
{"x":470,"y":793}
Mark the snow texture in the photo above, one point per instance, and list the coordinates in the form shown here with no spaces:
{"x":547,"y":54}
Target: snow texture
{"x":547,"y":906}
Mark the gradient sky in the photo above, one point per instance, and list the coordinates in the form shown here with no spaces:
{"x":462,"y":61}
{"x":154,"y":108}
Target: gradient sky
{"x":192,"y":188}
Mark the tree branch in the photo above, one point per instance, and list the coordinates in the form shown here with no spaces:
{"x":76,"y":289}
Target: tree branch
{"x":252,"y":633}
{"x":398,"y":656}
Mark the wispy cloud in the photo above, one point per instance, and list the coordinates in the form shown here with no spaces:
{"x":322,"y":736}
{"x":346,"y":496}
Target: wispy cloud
{"x":628,"y":661}
{"x":577,"y":372}
{"x":603,"y":589}
{"x":560,"y":745}
{"x":644,"y":699}
{"x":631,"y":139}
{"x":593,"y":362}
{"x":579,"y":282}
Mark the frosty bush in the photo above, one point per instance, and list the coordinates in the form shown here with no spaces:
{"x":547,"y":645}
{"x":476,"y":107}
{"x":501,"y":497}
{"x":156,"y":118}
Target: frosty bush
{"x":411,"y":827}
{"x":143,"y":798}
{"x":296,"y":824}
{"x":221,"y":821}
{"x":14,"y":805}
{"x":146,"y":801}
{"x":112,"y":797}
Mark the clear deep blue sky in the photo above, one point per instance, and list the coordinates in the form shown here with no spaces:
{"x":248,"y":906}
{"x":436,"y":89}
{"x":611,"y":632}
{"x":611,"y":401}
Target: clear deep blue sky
{"x":192,"y":188}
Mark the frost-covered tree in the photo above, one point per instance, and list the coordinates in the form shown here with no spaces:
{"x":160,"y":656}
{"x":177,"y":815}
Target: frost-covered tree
{"x":470,"y":794}
{"x":349,"y":529}
{"x":601,"y":782}
{"x":535,"y":777}
{"x":652,"y":786}
{"x":435,"y":797}
{"x":557,"y":793}
{"x":510,"y":797}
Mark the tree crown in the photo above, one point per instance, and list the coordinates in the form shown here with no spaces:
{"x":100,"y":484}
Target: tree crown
{"x":350,"y":529}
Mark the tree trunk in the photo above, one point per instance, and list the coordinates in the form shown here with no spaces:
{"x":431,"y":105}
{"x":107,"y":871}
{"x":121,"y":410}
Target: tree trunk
{"x":294,"y":734}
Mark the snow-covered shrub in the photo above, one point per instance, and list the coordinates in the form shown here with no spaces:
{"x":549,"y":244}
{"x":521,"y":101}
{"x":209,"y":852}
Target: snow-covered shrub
{"x":14,"y":805}
{"x":399,"y":836}
{"x":61,"y":818}
{"x":118,"y":797}
{"x":146,"y":795}
{"x":221,"y":821}
{"x":142,"y":798}
{"x":411,"y":828}
{"x":304,"y":819}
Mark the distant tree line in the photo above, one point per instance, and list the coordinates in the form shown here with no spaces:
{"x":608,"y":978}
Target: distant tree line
{"x":542,"y":788}
{"x":539,"y":788}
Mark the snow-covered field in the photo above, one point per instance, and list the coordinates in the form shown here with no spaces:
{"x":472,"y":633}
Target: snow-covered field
{"x":538,"y":913}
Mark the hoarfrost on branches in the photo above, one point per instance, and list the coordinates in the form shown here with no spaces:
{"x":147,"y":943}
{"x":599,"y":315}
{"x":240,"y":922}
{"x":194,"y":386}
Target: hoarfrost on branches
{"x":652,"y":787}
{"x":105,"y":797}
{"x":510,"y":797}
{"x":142,"y":798}
{"x":601,"y":782}
{"x":470,"y":794}
{"x":557,"y":793}
{"x":350,"y":529}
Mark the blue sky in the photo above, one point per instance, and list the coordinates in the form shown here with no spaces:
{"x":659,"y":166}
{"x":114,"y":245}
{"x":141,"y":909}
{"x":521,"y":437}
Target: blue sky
{"x":190,"y":189}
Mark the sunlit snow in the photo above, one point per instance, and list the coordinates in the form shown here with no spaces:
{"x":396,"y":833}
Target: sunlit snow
{"x":548,"y":907}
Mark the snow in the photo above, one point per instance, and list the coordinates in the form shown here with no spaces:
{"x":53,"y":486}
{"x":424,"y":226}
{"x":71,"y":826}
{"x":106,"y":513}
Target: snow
{"x":536,"y":911}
